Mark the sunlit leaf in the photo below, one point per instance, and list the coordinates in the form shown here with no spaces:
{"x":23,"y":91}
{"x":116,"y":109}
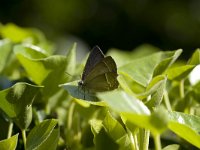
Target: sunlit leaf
{"x":123,"y":57}
{"x":122,"y":102}
{"x":179,"y":73}
{"x":142,"y":70}
{"x":185,"y":126}
{"x":171,"y":147}
{"x":156,"y":122}
{"x":195,"y":59}
{"x":10,"y":143}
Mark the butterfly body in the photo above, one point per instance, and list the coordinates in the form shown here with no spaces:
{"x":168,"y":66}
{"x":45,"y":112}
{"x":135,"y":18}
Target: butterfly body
{"x":100,"y":73}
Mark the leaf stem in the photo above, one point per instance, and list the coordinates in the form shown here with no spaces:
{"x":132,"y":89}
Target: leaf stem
{"x":10,"y":129}
{"x":181,"y":89}
{"x":167,"y":102}
{"x":24,"y":137}
{"x":70,"y":115}
{"x":157,"y":142}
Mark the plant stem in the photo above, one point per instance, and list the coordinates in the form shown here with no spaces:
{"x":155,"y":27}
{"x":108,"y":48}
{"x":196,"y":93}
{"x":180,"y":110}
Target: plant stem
{"x":157,"y":142}
{"x":133,"y":139}
{"x":70,"y":115}
{"x":181,"y":89}
{"x":24,"y":137}
{"x":167,"y":102}
{"x":145,"y":144}
{"x":10,"y":128}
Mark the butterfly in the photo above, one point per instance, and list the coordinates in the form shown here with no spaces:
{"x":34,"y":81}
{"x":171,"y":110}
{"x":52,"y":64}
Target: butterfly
{"x":100,"y":73}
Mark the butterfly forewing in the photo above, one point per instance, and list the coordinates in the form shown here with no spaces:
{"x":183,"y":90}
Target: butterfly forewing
{"x":96,"y":56}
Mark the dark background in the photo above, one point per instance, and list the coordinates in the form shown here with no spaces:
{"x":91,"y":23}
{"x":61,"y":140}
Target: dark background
{"x":123,"y":24}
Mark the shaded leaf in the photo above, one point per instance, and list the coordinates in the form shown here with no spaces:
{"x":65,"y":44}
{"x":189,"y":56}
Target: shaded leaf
{"x":16,"y":103}
{"x":5,"y":49}
{"x":42,"y":135}
{"x":101,"y":139}
{"x":77,"y":92}
{"x":157,"y":87}
{"x":115,"y":130}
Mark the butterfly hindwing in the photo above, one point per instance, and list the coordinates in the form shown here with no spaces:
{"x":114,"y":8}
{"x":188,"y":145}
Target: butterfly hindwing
{"x":103,"y":82}
{"x":105,"y":66}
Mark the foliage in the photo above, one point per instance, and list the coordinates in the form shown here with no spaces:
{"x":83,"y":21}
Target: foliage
{"x":42,"y":107}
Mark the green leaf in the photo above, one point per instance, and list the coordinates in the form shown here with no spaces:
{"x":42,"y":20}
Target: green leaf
{"x":101,"y":139}
{"x":122,"y":102}
{"x":15,"y":33}
{"x":195,"y":59}
{"x":195,"y":92}
{"x":171,"y":147}
{"x":5,"y":49}
{"x":71,"y":60}
{"x":123,"y":57}
{"x":77,"y":92}
{"x":157,"y":89}
{"x":10,"y":143}
{"x":142,"y":70}
{"x":115,"y":130}
{"x":166,"y":60}
{"x":50,"y":70}
{"x":156,"y":123}
{"x":113,"y":127}
{"x":179,"y":73}
{"x":16,"y":103}
{"x":185,"y":126}
{"x":43,"y":135}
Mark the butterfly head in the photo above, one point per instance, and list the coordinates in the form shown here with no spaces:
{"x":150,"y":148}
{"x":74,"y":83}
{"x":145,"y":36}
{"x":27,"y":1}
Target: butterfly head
{"x":80,"y":83}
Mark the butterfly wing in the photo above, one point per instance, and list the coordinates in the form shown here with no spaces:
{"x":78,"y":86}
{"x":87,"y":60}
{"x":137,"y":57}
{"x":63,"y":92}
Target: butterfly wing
{"x":104,"y":82}
{"x":96,"y":56}
{"x":103,"y":77}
